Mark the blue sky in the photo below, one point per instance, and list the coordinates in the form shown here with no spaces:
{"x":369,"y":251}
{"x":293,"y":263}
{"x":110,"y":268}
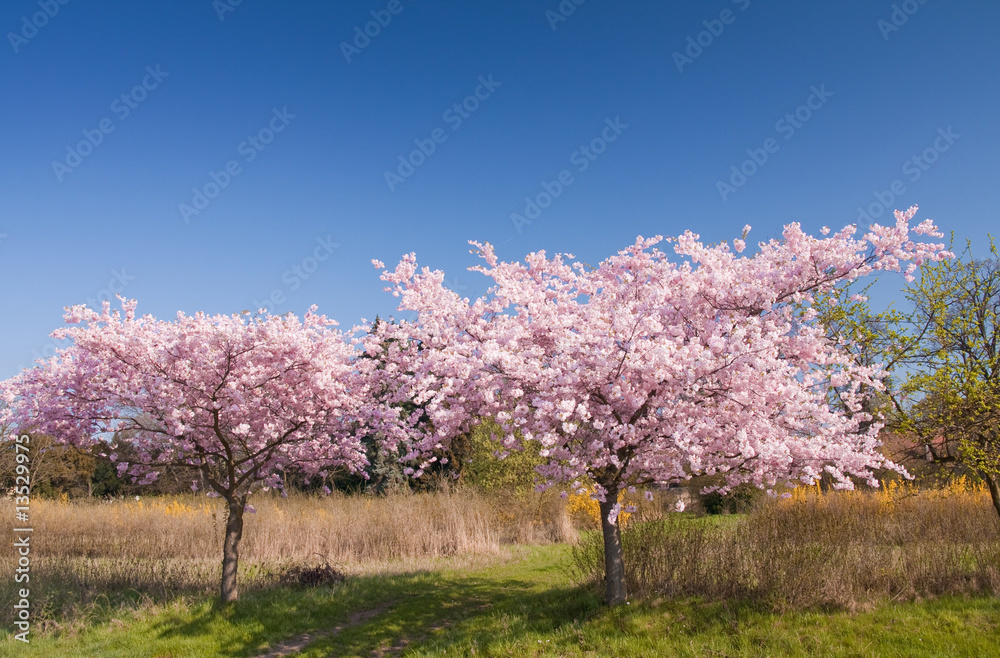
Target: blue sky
{"x":121,"y":119}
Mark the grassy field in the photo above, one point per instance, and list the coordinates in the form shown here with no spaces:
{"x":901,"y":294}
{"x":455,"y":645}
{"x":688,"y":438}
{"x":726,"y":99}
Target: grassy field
{"x":896,"y":573}
{"x":527,"y":606}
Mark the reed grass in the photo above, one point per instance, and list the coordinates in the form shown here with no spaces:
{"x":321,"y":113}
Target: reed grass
{"x":837,"y":550}
{"x":91,"y":557}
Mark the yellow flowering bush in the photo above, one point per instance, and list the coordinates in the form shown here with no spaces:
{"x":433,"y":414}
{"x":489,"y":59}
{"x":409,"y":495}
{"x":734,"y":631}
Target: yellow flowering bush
{"x":586,"y":511}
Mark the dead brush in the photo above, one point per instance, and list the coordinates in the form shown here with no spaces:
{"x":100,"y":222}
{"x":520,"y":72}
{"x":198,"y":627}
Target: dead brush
{"x":311,"y":575}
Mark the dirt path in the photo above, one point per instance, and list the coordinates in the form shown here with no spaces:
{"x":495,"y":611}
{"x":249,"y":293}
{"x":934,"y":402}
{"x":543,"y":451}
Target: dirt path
{"x":296,"y":644}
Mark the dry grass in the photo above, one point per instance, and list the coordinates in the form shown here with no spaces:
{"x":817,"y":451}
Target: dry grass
{"x":837,"y":550}
{"x":90,"y":557}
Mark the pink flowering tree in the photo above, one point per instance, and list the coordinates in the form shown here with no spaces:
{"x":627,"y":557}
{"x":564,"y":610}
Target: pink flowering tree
{"x":644,"y":371}
{"x":236,"y":399}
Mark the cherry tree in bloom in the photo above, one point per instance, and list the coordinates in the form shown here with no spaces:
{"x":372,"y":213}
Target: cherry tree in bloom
{"x":235,"y":399}
{"x":644,"y":371}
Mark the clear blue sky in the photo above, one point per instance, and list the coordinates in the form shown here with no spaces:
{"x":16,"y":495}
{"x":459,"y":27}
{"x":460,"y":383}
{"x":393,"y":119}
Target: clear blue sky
{"x":172,"y":94}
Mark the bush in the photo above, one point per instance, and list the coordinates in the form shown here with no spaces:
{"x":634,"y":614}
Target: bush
{"x":740,"y":500}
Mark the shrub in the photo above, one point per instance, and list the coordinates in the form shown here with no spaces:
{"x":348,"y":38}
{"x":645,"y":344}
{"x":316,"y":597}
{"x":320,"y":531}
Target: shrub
{"x":740,"y":500}
{"x":814,"y":550}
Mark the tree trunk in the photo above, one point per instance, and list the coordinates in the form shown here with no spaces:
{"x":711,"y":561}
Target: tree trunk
{"x":991,"y":482}
{"x":614,"y":560}
{"x":231,"y":549}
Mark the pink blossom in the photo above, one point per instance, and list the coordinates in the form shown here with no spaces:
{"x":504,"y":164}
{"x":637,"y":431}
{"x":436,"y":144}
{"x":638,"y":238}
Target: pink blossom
{"x":644,"y":369}
{"x":235,"y":398}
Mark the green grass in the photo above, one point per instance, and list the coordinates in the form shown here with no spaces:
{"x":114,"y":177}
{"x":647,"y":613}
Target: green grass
{"x":526,"y":607}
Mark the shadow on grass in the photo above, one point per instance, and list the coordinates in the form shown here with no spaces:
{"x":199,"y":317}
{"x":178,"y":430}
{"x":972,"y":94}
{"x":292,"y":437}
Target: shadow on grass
{"x":476,"y":611}
{"x":409,"y":610}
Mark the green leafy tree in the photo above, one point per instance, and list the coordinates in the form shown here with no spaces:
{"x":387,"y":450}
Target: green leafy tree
{"x":53,"y":468}
{"x":955,"y":383}
{"x":941,"y":361}
{"x":486,"y":471}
